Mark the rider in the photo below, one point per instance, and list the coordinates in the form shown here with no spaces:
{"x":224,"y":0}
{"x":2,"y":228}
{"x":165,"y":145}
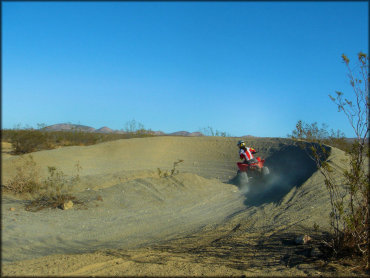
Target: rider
{"x":246,"y":153}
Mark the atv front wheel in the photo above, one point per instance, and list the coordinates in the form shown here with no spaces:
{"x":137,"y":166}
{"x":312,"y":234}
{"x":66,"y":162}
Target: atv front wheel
{"x":242,"y":178}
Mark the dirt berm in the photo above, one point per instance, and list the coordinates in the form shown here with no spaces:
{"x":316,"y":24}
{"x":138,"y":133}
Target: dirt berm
{"x":196,"y":222}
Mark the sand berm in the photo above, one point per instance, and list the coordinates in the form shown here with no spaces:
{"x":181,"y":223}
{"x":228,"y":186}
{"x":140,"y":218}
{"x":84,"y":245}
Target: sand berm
{"x":197,"y":222}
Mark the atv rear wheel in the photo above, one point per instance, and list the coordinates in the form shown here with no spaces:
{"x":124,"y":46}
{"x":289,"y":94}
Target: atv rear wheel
{"x":265,"y":171}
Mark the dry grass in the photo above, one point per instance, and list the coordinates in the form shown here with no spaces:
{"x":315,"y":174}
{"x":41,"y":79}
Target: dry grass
{"x":51,"y":192}
{"x":173,"y":171}
{"x":26,"y":179}
{"x":54,"y":202}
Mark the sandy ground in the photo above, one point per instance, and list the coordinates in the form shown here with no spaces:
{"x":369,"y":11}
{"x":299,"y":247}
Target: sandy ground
{"x":197,"y":222}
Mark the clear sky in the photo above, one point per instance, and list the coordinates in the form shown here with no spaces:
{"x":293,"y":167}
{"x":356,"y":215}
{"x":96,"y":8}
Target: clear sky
{"x":240,"y":67}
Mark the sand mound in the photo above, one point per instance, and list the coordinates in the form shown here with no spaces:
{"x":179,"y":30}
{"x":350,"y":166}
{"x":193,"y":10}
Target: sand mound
{"x":209,"y":157}
{"x":130,"y":206}
{"x":122,"y":212}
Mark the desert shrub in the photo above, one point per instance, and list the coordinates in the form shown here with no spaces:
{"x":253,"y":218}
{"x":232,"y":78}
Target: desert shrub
{"x":76,"y":178}
{"x":136,"y":129}
{"x":315,"y":134}
{"x":354,"y":232}
{"x":350,"y":195}
{"x":132,"y":126}
{"x":55,"y":190}
{"x":53,"y":201}
{"x":51,"y":192}
{"x":30,"y":140}
{"x":316,"y":141}
{"x":209,"y":131}
{"x":167,"y":173}
{"x":26,"y":179}
{"x":56,"y":182}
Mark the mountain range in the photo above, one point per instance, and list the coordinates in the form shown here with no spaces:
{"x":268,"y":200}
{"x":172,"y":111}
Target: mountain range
{"x":84,"y":128}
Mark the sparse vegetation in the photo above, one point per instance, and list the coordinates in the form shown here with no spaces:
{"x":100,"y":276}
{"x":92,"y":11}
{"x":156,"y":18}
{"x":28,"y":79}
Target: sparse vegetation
{"x":136,"y":128}
{"x":51,"y":192}
{"x":173,"y":171}
{"x":54,"y":201}
{"x":209,"y":131}
{"x":26,"y":179}
{"x":349,"y":195}
{"x":26,"y":140}
{"x":315,"y":134}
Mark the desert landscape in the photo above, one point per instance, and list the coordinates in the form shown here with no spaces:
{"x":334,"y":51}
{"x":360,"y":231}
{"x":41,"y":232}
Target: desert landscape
{"x":129,"y":131}
{"x":197,"y":222}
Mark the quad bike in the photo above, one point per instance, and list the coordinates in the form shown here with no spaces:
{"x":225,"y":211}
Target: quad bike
{"x":253,"y":170}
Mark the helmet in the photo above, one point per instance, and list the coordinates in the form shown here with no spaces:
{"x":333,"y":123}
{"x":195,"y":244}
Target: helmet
{"x":241,"y":144}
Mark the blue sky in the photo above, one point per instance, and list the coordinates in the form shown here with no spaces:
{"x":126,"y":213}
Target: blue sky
{"x":241,"y":67}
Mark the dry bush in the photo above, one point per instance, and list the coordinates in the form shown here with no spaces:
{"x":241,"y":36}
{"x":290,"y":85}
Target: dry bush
{"x":349,"y":196}
{"x":54,"y":201}
{"x":55,"y":190}
{"x":314,"y":134}
{"x":51,"y":192}
{"x":26,"y":179}
{"x":354,"y":233}
{"x":209,"y":131}
{"x":30,"y":140}
{"x":173,"y":171}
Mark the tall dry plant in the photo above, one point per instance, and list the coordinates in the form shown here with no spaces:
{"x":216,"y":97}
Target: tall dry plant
{"x":350,"y":195}
{"x":357,"y":178}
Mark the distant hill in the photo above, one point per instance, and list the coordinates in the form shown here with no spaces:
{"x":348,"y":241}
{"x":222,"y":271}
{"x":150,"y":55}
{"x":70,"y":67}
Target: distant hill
{"x":158,"y":133}
{"x":196,"y":134}
{"x":107,"y":130}
{"x":69,"y":127}
{"x":104,"y":130}
{"x":179,"y":133}
{"x":250,"y":136}
{"x":185,"y":133}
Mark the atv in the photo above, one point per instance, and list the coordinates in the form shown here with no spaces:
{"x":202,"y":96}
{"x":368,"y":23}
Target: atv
{"x":253,"y":170}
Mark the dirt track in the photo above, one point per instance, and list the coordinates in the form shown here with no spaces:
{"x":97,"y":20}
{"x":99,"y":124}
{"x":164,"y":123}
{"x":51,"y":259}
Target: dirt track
{"x":194,"y":223}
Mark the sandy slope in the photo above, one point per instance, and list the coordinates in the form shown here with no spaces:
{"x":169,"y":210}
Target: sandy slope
{"x":194,"y":223}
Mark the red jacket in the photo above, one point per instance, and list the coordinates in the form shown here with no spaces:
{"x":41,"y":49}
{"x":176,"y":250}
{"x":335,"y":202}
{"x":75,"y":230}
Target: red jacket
{"x":247,"y":153}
